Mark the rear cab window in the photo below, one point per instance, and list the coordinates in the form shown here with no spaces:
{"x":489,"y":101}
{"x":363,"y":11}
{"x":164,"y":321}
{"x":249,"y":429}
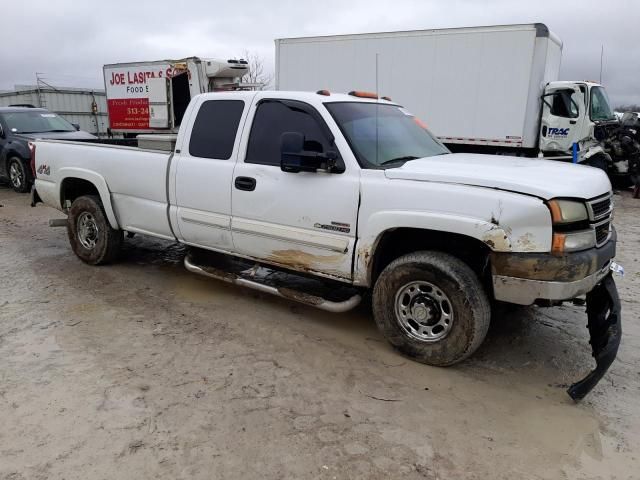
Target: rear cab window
{"x":215,"y":128}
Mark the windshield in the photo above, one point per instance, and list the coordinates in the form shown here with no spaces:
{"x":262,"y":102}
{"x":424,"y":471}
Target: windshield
{"x":600,"y":107}
{"x":36,"y":122}
{"x":384,"y":136}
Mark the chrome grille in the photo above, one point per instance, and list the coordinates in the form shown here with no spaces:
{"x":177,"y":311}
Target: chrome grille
{"x":600,"y":214}
{"x":599,"y":208}
{"x":603,"y":230}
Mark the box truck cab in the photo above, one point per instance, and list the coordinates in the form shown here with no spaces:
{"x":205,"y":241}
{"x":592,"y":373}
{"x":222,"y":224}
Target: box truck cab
{"x":571,"y":111}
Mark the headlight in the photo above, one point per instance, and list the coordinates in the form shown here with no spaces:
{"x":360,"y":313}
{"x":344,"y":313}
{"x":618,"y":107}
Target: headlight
{"x":567,"y":211}
{"x":573,"y":242}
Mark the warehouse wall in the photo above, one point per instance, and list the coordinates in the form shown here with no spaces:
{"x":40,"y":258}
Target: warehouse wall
{"x":71,"y":103}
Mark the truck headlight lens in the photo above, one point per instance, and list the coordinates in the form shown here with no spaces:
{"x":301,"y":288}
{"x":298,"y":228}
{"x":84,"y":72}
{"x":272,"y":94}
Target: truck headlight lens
{"x":573,"y":242}
{"x":567,"y":211}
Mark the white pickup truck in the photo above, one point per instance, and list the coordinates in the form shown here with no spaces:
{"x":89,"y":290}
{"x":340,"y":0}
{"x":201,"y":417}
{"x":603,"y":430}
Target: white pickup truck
{"x":319,"y":197}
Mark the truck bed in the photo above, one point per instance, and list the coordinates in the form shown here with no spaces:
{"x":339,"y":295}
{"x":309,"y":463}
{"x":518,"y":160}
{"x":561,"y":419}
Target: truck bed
{"x":134,"y":178}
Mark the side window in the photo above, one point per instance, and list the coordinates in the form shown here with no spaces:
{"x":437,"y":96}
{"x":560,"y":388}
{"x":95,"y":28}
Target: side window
{"x":215,"y":128}
{"x":563,"y":104}
{"x":274,"y":118}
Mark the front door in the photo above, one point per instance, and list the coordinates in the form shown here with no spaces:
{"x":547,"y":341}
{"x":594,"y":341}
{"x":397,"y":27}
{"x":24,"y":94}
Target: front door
{"x":563,"y":114}
{"x":305,"y":221}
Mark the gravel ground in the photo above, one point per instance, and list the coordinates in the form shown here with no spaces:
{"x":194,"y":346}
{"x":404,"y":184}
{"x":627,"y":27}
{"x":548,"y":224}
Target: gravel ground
{"x":144,"y":370}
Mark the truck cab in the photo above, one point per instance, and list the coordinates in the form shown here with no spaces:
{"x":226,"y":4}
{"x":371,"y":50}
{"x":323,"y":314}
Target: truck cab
{"x":571,"y":113}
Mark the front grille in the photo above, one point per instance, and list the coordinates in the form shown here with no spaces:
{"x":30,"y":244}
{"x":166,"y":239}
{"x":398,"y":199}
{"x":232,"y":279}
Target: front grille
{"x":600,"y":215}
{"x":603,"y":230}
{"x":599,"y":208}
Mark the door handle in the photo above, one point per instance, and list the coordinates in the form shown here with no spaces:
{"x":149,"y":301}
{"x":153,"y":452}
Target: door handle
{"x":247,"y":184}
{"x":572,"y":122}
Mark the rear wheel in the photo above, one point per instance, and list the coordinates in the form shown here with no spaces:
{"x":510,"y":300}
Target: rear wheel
{"x":432,"y":307}
{"x":18,"y":175}
{"x":90,"y":234}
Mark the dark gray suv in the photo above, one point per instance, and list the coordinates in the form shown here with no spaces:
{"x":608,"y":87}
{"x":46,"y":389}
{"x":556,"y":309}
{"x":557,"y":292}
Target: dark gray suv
{"x":19,"y":126}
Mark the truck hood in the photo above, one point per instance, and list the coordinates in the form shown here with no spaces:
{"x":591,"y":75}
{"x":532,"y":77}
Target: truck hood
{"x":545,"y":179}
{"x":75,"y":135}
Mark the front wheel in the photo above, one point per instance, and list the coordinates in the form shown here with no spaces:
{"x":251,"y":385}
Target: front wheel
{"x":18,"y":175}
{"x":91,"y":237}
{"x":432,"y":307}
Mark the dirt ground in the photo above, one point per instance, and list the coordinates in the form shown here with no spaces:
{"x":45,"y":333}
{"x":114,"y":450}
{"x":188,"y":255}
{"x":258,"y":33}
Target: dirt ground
{"x":144,"y":370}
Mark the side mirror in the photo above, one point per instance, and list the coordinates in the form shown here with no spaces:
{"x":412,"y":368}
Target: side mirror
{"x":294,"y":158}
{"x":76,"y":125}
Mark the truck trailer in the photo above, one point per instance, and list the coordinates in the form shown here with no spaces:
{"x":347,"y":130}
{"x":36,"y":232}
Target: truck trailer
{"x":152,"y":97}
{"x":479,"y":89}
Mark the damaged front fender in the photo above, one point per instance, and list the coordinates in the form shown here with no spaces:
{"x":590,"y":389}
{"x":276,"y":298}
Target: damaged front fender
{"x":605,"y":330}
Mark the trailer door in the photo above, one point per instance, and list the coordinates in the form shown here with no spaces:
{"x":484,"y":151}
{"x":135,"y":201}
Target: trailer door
{"x":158,"y":102}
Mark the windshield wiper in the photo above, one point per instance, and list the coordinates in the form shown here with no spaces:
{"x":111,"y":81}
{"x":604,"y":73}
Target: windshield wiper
{"x":405,"y":158}
{"x":59,"y":130}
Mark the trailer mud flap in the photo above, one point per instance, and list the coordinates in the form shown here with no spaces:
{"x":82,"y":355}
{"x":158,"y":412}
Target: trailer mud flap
{"x":605,"y":330}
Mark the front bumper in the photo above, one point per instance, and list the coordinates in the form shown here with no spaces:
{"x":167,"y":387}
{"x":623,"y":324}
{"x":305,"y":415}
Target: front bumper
{"x":523,"y":291}
{"x":605,"y":330}
{"x":523,"y":278}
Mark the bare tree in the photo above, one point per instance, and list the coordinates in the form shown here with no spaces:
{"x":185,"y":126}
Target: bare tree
{"x":257,"y":72}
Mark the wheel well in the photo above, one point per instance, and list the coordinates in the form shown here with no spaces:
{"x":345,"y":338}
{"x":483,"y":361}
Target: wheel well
{"x":73,"y":188}
{"x":401,"y":241}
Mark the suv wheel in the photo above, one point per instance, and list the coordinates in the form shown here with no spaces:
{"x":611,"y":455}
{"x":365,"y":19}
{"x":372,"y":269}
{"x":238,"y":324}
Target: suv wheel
{"x":19,"y":177}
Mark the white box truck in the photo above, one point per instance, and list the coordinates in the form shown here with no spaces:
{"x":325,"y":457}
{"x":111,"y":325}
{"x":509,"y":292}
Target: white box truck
{"x":479,"y":89}
{"x":151,"y":97}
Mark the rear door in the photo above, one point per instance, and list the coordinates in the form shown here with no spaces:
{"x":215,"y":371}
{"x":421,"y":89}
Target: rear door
{"x":158,"y":102}
{"x":203,"y":172}
{"x":305,"y":221}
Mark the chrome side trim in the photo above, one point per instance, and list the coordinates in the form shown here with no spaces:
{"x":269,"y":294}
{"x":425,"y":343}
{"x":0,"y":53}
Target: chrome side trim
{"x":204,"y":224}
{"x":289,"y":240}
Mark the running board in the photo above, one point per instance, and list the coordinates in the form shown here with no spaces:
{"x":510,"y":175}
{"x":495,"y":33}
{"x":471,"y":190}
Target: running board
{"x":283,"y":292}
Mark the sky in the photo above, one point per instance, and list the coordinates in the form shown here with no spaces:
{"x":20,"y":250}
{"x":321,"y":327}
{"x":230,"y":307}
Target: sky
{"x":68,"y":41}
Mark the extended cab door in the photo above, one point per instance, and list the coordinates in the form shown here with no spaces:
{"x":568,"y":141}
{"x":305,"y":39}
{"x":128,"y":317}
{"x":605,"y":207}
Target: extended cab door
{"x":305,"y":221}
{"x":563,"y":114}
{"x":202,"y":173}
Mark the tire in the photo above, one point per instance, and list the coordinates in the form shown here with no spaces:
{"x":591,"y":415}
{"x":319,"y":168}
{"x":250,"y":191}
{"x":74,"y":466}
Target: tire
{"x":97,"y":243}
{"x":19,"y":176}
{"x":462,"y":309}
